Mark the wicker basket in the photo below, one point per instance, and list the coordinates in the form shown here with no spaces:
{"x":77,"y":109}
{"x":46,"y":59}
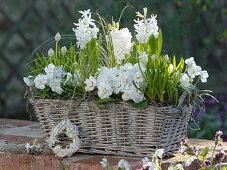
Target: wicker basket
{"x":117,"y":128}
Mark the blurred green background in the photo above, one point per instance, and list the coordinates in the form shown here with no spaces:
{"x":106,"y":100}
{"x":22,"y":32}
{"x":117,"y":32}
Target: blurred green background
{"x":191,"y":28}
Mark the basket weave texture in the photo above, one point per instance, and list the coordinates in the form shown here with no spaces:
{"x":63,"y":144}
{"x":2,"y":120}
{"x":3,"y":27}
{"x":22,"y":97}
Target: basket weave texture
{"x":117,"y":128}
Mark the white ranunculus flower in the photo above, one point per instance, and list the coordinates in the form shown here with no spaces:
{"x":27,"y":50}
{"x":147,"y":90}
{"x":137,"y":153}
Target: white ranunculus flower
{"x":28,"y":81}
{"x":203,"y":76}
{"x":49,"y":70}
{"x":50,"y":52}
{"x":194,"y":70}
{"x":90,"y":83}
{"x":146,"y":28}
{"x":55,"y":85}
{"x":122,"y":44}
{"x":57,"y":37}
{"x":185,"y":80}
{"x":190,"y":61}
{"x":63,"y":50}
{"x":159,"y":153}
{"x":40,"y":81}
{"x":143,"y":57}
{"x":189,"y":161}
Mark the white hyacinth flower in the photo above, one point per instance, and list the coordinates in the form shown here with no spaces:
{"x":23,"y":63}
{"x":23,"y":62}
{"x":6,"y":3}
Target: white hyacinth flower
{"x":55,"y":85}
{"x":104,"y":162}
{"x":63,"y":50}
{"x":28,"y":81}
{"x":185,"y":80}
{"x":145,"y":28}
{"x":194,"y":70}
{"x":57,"y":37}
{"x":159,"y":153}
{"x":85,"y":29}
{"x":189,"y":161}
{"x":190,"y":61}
{"x":122,"y":44}
{"x":50,"y":52}
{"x":40,"y":81}
{"x":203,"y":76}
{"x":143,"y":57}
{"x":90,"y":83}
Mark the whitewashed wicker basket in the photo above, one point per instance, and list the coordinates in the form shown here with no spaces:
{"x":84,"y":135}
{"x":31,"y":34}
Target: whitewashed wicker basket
{"x":117,"y":128}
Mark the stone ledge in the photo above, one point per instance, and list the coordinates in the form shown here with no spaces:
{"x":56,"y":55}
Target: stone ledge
{"x":15,"y":133}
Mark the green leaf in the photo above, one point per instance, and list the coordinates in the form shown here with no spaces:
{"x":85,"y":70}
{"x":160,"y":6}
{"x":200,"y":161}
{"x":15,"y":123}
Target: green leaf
{"x":141,"y":105}
{"x":203,"y":154}
{"x":219,"y":141}
{"x":106,"y":100}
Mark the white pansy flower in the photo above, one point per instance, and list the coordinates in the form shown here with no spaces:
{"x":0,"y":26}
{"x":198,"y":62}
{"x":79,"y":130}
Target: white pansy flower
{"x":138,"y":78}
{"x":90,"y":83}
{"x":159,"y":152}
{"x":50,"y":52}
{"x":189,"y":161}
{"x":28,"y":81}
{"x":126,"y":96}
{"x":40,"y":81}
{"x":63,"y":50}
{"x":58,"y":72}
{"x":55,"y":85}
{"x":185,"y":80}
{"x":122,"y":44}
{"x":203,"y":76}
{"x":143,"y":57}
{"x":124,"y":165}
{"x":104,"y":162}
{"x":190,"y":61}
{"x":145,"y":28}
{"x":153,"y":57}
{"x":57,"y":37}
{"x":136,"y":95}
{"x":104,"y":90}
{"x":49,"y":70}
{"x":126,"y":67}
{"x":194,"y":70}
{"x":85,"y":29}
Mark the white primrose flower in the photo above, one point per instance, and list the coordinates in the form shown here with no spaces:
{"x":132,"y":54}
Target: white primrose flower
{"x":49,"y":70}
{"x":122,"y":44}
{"x":104,"y":162}
{"x":55,"y":85}
{"x":159,"y":153}
{"x":146,"y":28}
{"x":194,"y":70}
{"x":189,"y":161}
{"x":40,"y":81}
{"x":143,"y":57}
{"x":104,"y":90}
{"x":28,"y":81}
{"x":50,"y":52}
{"x":85,"y":29}
{"x":90,"y":83}
{"x":124,"y":164}
{"x":185,"y":80}
{"x":203,"y":76}
{"x":190,"y":61}
{"x":63,"y":50}
{"x":57,"y":37}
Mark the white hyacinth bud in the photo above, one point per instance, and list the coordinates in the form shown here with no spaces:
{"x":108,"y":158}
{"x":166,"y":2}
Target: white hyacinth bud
{"x":57,"y":37}
{"x":51,"y":52}
{"x":63,"y":50}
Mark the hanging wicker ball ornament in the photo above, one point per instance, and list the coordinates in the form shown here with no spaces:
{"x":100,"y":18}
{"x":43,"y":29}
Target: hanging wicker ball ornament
{"x":64,"y":139}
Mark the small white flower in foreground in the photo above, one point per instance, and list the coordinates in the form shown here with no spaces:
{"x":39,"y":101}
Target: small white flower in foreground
{"x":28,"y":81}
{"x":90,"y":83}
{"x":189,"y":161}
{"x":194,"y":70}
{"x":166,"y":57}
{"x":63,"y":50}
{"x":57,"y":37}
{"x":124,"y":164}
{"x":122,"y":44}
{"x":104,"y":90}
{"x":143,"y":57}
{"x":136,"y":95}
{"x":159,"y":153}
{"x":49,"y":70}
{"x":190,"y":61}
{"x":185,"y":80}
{"x":55,"y":85}
{"x":104,"y":162}
{"x":27,"y":146}
{"x":126,"y":96}
{"x":51,"y":52}
{"x":40,"y":81}
{"x":203,"y":76}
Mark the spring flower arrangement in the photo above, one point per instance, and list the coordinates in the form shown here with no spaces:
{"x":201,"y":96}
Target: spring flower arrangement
{"x":109,"y":64}
{"x":190,"y":153}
